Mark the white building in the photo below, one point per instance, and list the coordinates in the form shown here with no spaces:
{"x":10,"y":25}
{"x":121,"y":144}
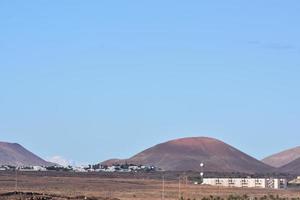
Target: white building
{"x":79,"y":169}
{"x":32,"y":168}
{"x":39,"y":168}
{"x":295,"y":181}
{"x":273,"y":183}
{"x":3,"y":168}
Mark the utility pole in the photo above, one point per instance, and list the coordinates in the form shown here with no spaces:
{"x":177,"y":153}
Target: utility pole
{"x":179,"y":188}
{"x":16,"y":180}
{"x":163,"y":188}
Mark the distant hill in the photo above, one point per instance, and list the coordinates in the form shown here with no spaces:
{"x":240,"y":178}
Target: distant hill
{"x":292,"y":167}
{"x":283,"y":158}
{"x":16,"y":155}
{"x":187,"y":154}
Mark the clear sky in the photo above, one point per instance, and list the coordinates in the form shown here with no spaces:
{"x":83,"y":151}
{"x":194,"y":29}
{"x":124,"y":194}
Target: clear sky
{"x":92,"y":80}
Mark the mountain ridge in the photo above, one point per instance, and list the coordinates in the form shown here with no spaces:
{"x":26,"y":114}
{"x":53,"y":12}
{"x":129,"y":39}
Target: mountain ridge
{"x":282,"y":158}
{"x":16,"y":155}
{"x":291,"y":168}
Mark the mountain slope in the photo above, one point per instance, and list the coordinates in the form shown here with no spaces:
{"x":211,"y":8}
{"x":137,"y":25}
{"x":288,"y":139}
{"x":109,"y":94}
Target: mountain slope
{"x":283,"y":158}
{"x":292,"y":167}
{"x":187,"y":153}
{"x":16,"y":155}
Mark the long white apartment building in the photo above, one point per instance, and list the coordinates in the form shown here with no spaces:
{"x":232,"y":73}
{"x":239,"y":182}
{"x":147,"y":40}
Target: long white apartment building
{"x":272,"y":183}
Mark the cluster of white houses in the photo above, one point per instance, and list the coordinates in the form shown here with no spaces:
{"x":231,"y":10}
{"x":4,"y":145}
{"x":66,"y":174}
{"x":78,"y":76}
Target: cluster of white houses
{"x":90,"y":168}
{"x":272,"y":183}
{"x":120,"y":168}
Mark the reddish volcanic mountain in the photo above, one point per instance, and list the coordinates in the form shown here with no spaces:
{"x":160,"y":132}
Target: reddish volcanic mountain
{"x":187,"y":153}
{"x":283,"y":158}
{"x":16,"y":155}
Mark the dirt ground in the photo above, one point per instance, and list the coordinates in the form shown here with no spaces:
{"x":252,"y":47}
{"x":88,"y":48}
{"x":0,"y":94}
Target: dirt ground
{"x":100,"y":186}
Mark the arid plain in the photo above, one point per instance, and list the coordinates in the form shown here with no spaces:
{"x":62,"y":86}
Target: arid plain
{"x":118,"y":186}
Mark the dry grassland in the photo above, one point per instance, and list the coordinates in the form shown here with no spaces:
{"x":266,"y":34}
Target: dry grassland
{"x":125,"y":188}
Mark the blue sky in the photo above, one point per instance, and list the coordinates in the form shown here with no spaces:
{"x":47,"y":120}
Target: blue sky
{"x":92,"y":80}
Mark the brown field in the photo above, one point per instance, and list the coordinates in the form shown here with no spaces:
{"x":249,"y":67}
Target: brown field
{"x":120,"y":186}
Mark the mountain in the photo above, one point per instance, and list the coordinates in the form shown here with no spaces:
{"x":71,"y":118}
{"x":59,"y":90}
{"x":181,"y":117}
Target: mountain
{"x":283,"y":158}
{"x":16,"y":155}
{"x":292,"y":167}
{"x":113,"y":161}
{"x":187,"y":154}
